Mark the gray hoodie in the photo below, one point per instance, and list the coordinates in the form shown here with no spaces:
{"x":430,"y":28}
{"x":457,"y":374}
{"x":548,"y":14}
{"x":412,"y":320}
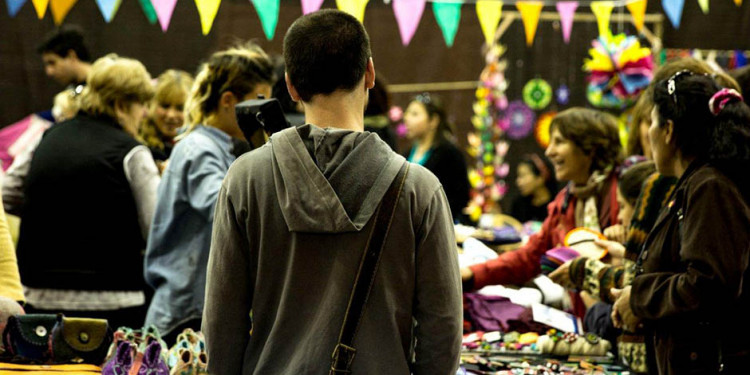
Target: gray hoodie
{"x":291,"y":223}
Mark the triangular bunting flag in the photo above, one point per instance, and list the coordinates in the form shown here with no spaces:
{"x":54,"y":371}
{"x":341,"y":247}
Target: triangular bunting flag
{"x":164,"y":10}
{"x":738,"y":3}
{"x":60,"y":9}
{"x":530,"y":11}
{"x":448,"y":16}
{"x":673,"y":9}
{"x":704,"y":6}
{"x":354,"y":7}
{"x":489,"y":13}
{"x":408,"y":13}
{"x":309,"y":6}
{"x":638,"y":11}
{"x":603,"y":11}
{"x":567,"y":10}
{"x":149,"y":11}
{"x":108,"y":8}
{"x":14,"y":6}
{"x":268,"y":11}
{"x":207,"y":10}
{"x":41,"y":7}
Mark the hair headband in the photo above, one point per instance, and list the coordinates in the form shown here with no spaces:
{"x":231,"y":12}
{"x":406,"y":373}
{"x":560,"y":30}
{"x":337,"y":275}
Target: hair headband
{"x":721,"y":99}
{"x":540,"y":166}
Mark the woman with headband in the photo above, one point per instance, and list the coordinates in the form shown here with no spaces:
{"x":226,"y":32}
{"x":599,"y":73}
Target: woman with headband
{"x":536,"y":185}
{"x":689,"y":293}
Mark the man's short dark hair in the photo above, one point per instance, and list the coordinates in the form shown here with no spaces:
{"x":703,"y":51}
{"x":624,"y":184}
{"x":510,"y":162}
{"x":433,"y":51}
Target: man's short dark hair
{"x":64,"y":39}
{"x":326,"y":51}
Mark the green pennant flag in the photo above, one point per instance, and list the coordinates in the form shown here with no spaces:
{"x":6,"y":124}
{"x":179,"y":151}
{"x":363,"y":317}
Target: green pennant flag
{"x":448,"y":16}
{"x":268,"y":11}
{"x":148,"y":9}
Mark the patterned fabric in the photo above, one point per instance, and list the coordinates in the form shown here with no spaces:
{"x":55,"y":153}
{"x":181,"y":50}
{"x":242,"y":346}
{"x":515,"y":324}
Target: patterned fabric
{"x":586,"y":213}
{"x":633,"y":352}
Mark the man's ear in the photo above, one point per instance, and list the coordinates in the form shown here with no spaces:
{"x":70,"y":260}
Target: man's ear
{"x":292,"y":91}
{"x":370,"y":74}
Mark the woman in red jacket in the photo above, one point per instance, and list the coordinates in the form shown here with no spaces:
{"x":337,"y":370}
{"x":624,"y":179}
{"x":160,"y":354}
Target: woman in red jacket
{"x":584,"y":148}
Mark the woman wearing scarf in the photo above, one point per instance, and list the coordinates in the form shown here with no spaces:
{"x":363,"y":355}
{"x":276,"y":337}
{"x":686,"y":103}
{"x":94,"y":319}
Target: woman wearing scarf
{"x":584,"y":150}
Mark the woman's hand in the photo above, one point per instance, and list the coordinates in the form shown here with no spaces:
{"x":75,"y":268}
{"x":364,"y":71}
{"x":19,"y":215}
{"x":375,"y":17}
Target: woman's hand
{"x":561,"y":275}
{"x":615,"y":249}
{"x":616,"y":233}
{"x":622,"y":314}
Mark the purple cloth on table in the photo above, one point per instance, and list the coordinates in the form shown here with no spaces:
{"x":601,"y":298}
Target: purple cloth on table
{"x":490,"y":313}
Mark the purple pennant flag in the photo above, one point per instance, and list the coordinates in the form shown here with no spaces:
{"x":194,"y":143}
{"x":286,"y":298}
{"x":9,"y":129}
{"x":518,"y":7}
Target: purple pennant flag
{"x":164,"y":9}
{"x":309,"y":6}
{"x":14,"y":6}
{"x":408,"y":13}
{"x":673,"y":9}
{"x":567,"y":10}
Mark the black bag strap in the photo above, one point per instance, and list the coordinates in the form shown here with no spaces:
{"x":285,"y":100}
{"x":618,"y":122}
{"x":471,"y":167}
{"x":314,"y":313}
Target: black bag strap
{"x":343,"y":353}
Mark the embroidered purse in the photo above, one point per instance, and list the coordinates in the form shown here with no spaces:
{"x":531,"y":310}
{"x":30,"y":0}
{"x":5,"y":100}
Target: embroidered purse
{"x":80,"y":340}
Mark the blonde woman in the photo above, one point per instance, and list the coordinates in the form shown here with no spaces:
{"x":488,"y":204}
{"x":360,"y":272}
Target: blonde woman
{"x":178,"y":245}
{"x":90,"y":195}
{"x":165,"y":115}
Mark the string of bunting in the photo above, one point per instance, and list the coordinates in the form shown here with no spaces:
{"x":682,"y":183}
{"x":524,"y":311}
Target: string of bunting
{"x":408,"y":13}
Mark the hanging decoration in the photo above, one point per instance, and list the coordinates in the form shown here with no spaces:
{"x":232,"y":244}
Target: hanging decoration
{"x":537,"y":93}
{"x":489,"y":13}
{"x":309,"y":6}
{"x":108,"y":8}
{"x":738,"y":3}
{"x":149,"y":10}
{"x":60,"y":9}
{"x":485,"y":142}
{"x":638,"y":10}
{"x":704,"y":6}
{"x":673,"y":9}
{"x":530,"y":12}
{"x":268,"y":12}
{"x":541,"y":130}
{"x":207,"y":9}
{"x":562,"y":94}
{"x":603,"y":11}
{"x":448,"y":16}
{"x":408,"y":13}
{"x":622,"y":127}
{"x":40,"y":6}
{"x":619,"y":69}
{"x":521,"y":120}
{"x":567,"y":10}
{"x":739,"y":59}
{"x":354,"y":7}
{"x":14,"y":6}
{"x":164,"y":10}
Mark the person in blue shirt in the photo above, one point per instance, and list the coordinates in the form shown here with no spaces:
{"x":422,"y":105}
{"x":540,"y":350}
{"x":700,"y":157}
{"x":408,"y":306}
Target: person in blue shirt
{"x":180,"y":237}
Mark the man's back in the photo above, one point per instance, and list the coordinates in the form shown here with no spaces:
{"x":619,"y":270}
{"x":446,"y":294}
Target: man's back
{"x":292,"y":221}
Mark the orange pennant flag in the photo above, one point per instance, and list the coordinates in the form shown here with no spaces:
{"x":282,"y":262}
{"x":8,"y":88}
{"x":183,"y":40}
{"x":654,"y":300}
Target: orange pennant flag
{"x":738,"y":3}
{"x":638,"y":11}
{"x":60,"y":9}
{"x":41,"y":7}
{"x":530,"y":12}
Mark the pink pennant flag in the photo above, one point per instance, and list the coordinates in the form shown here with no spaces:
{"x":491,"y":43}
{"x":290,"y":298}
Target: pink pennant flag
{"x":309,"y":6}
{"x":164,"y":9}
{"x":408,"y":13}
{"x":567,"y":10}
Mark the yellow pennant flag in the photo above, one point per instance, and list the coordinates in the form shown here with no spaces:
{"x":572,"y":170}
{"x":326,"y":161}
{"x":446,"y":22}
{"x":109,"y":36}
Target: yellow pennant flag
{"x":704,"y":6}
{"x":530,"y":12}
{"x":41,"y":7}
{"x":489,"y":12}
{"x":60,"y":9}
{"x":602,"y":10}
{"x":354,"y":7}
{"x":738,"y":3}
{"x":638,"y":11}
{"x":207,"y":10}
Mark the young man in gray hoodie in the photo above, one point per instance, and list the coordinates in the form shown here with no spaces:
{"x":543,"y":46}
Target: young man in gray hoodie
{"x":293,"y":219}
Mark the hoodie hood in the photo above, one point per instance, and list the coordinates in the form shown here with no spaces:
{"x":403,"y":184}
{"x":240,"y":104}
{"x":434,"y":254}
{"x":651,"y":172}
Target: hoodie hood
{"x":330,"y":180}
